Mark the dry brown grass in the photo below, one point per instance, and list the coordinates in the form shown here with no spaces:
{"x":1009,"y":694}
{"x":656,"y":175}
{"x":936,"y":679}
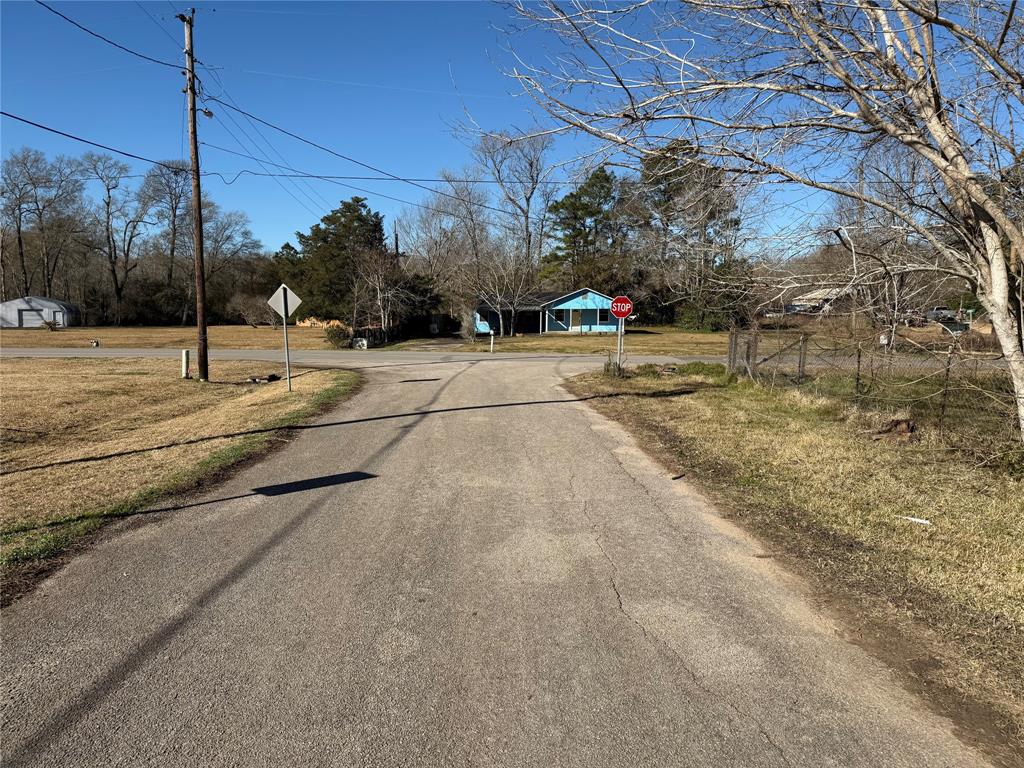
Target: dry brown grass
{"x":660,"y":340}
{"x":804,"y":472}
{"x":57,"y":413}
{"x":224,"y":336}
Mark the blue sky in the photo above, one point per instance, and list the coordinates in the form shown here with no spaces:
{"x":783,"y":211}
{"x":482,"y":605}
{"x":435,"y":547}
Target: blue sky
{"x":381,"y":82}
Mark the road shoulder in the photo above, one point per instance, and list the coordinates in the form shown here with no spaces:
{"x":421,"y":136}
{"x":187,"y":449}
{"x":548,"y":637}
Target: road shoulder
{"x":963,"y":670}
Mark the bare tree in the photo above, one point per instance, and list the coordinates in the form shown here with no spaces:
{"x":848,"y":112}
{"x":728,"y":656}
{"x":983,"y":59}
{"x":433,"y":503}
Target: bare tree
{"x":45,"y":197}
{"x":519,"y":167}
{"x":433,"y":235}
{"x":167,"y":188}
{"x":383,"y":281}
{"x":796,"y":91}
{"x":253,"y":310}
{"x":121,"y":217}
{"x":518,"y":164}
{"x":17,"y":192}
{"x":227,"y":238}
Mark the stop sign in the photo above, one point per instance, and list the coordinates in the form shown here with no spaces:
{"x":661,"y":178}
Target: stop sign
{"x":622,"y":307}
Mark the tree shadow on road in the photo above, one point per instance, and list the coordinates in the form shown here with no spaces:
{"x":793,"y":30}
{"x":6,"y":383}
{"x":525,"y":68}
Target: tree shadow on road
{"x":346,"y":422}
{"x":281,"y":489}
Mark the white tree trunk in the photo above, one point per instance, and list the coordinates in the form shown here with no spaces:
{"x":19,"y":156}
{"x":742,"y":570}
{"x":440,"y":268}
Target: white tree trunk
{"x":995,"y":297}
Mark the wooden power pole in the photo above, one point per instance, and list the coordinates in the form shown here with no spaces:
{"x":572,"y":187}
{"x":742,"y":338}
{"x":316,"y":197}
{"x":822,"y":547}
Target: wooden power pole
{"x":202,"y":357}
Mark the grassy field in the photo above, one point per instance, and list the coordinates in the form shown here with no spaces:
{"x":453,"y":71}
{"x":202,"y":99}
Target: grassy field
{"x":661,"y":340}
{"x":664,"y":340}
{"x":88,"y":440}
{"x":175,"y":337}
{"x":804,"y":472}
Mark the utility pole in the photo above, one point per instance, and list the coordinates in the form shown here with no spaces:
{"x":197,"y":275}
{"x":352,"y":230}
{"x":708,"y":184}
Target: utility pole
{"x":202,"y":356}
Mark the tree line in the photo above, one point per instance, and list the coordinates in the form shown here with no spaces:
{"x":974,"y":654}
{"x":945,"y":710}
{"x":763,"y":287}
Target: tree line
{"x":118,"y":244}
{"x":498,"y":232}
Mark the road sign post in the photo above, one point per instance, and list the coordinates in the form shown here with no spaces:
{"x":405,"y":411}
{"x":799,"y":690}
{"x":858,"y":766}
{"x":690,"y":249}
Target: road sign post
{"x":287,"y":352}
{"x":622,"y":306}
{"x":284,"y":302}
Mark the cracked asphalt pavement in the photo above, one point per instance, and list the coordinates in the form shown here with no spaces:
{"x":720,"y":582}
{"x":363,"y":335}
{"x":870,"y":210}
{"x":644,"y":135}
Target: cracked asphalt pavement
{"x":462,"y":565}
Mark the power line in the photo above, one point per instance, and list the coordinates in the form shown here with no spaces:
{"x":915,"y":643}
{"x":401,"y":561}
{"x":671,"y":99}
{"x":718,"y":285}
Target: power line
{"x":125,"y":153}
{"x":350,"y":177}
{"x":159,"y":26}
{"x":285,"y":189}
{"x":256,"y":129}
{"x":296,"y":173}
{"x":351,"y":159}
{"x":223,"y":178}
{"x":87,"y":141}
{"x":107,"y":40}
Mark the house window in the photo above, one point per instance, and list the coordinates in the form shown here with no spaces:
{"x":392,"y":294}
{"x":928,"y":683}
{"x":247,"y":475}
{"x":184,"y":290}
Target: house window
{"x":602,"y":317}
{"x":560,"y":316}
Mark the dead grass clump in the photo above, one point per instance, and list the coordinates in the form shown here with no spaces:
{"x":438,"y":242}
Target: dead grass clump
{"x":655,"y":340}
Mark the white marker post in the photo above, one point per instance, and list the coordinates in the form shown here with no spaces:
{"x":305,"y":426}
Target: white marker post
{"x":284,"y":302}
{"x":492,"y":342}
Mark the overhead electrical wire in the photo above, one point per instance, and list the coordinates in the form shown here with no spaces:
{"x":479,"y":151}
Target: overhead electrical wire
{"x":107,"y":40}
{"x":349,"y":159}
{"x":221,"y":176}
{"x":270,"y":145}
{"x":296,"y":173}
{"x":279,"y":183}
{"x":90,"y":143}
{"x":159,"y":26}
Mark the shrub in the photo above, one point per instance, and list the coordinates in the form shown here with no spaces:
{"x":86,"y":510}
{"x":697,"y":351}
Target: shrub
{"x":613,"y":369}
{"x":698,"y":368}
{"x":648,"y":370}
{"x":338,"y":336}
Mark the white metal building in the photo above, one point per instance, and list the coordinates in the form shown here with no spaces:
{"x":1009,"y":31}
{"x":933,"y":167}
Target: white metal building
{"x":33,"y":311}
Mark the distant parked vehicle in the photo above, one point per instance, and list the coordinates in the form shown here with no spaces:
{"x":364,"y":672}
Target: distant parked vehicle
{"x":954,"y":326}
{"x":940,"y":313}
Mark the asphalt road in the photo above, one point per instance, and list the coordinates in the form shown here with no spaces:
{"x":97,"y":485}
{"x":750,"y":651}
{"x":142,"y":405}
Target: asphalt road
{"x":459,"y":566}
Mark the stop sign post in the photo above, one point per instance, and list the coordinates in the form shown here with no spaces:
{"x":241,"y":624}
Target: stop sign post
{"x":622,"y":307}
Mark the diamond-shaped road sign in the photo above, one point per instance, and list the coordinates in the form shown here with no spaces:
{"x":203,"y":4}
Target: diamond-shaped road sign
{"x":284,"y":301}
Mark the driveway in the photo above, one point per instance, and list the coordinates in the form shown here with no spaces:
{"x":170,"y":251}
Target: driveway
{"x":460,"y":566}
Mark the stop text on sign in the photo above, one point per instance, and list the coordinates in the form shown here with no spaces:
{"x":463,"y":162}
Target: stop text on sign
{"x":621,"y":307}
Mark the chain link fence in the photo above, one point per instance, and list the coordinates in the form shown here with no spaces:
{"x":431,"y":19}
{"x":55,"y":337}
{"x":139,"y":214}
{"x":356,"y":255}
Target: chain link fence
{"x":954,"y":385}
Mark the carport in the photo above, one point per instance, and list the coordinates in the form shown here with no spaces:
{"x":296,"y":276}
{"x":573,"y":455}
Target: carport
{"x":36,"y":311}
